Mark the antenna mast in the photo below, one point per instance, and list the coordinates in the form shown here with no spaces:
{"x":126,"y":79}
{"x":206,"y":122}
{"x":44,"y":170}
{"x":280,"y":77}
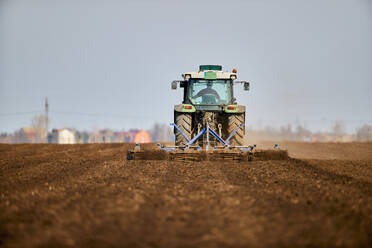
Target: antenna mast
{"x":46,"y":115}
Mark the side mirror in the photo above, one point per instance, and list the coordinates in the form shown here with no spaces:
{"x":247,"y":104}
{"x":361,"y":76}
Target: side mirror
{"x":174,"y":85}
{"x":246,"y":85}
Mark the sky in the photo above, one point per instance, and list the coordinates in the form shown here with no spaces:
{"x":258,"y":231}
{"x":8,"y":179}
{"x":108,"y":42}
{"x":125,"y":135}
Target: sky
{"x":109,"y":64}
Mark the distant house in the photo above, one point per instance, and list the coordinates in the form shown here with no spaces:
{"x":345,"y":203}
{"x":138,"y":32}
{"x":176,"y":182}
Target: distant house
{"x":142,"y":137}
{"x":94,"y":137}
{"x":6,"y":139}
{"x":102,"y":136}
{"x":64,"y":136}
{"x":106,"y":135}
{"x":129,"y":135}
{"x":119,"y":137}
{"x":31,"y":135}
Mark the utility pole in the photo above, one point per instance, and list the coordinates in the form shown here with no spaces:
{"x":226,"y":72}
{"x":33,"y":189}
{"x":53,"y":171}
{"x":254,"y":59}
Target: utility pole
{"x":46,"y":117}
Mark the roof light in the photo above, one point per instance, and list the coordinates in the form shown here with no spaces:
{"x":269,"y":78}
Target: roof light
{"x":234,"y":70}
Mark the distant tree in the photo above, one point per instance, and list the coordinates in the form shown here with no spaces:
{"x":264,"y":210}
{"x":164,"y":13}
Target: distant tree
{"x":78,"y":136}
{"x":39,"y":121}
{"x":286,"y":132}
{"x":339,"y":128}
{"x":84,"y":137}
{"x":302,"y":133}
{"x":364,"y":133}
{"x":160,"y":132}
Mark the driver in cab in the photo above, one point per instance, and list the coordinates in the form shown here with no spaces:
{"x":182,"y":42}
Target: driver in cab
{"x":207,"y":91}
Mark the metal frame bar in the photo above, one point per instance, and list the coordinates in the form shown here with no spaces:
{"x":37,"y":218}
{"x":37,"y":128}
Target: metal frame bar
{"x":195,"y":138}
{"x":233,"y":133}
{"x":218,"y":137}
{"x":184,"y":135}
{"x":225,"y":143}
{"x":207,"y":130}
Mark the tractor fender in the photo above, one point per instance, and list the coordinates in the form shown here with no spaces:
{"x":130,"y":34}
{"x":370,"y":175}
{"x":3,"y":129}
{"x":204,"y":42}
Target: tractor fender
{"x":184,"y":108}
{"x":237,"y":109}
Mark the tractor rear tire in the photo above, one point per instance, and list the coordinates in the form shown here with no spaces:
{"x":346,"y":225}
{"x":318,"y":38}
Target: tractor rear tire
{"x":234,"y":120}
{"x":184,"y":122}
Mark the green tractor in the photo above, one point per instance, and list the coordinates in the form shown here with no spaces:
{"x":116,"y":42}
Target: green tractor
{"x":209,"y":102}
{"x":209,"y":116}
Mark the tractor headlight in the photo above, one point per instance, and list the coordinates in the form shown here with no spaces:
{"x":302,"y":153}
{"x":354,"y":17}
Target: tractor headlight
{"x":187,"y":77}
{"x":233,"y":77}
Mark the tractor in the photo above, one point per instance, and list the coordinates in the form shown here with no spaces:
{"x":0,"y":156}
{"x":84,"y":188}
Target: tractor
{"x":208,"y":100}
{"x":208,"y":124}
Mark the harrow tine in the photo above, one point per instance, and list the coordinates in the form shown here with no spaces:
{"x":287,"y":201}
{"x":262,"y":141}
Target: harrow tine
{"x":177,"y":154}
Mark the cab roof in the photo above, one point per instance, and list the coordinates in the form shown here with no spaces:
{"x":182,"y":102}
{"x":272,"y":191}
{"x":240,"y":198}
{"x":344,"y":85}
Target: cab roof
{"x":210,"y":72}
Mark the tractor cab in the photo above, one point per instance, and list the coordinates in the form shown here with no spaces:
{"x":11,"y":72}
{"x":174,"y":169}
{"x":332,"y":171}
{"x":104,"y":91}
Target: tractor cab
{"x":210,"y":88}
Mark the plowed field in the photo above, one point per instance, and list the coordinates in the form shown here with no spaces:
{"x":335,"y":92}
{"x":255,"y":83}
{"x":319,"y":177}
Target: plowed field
{"x":90,"y":196}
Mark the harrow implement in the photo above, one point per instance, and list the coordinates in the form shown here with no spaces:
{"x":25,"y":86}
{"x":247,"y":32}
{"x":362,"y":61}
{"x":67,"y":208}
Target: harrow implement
{"x":192,"y":152}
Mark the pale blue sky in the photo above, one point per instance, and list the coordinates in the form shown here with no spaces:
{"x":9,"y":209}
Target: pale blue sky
{"x":110,"y":63}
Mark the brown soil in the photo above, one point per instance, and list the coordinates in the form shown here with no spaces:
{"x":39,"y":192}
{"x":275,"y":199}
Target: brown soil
{"x":91,"y":196}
